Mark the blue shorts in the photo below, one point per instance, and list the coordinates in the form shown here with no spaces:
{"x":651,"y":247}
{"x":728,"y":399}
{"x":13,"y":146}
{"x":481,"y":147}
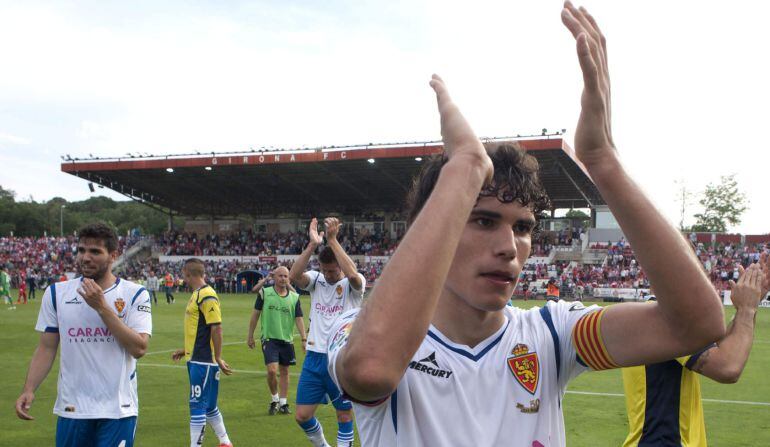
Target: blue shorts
{"x":95,"y":432}
{"x":316,"y":386}
{"x":204,"y":386}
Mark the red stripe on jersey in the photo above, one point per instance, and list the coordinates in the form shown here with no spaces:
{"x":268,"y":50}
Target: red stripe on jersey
{"x":587,"y":340}
{"x":605,"y":355}
{"x":592,"y":343}
{"x":596,"y":342}
{"x":581,"y":342}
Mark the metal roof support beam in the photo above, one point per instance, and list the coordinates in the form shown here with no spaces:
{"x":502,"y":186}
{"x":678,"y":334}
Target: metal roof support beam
{"x":294,"y":185}
{"x":580,"y":190}
{"x":100,"y":181}
{"x":346,"y":183}
{"x":393,"y":179}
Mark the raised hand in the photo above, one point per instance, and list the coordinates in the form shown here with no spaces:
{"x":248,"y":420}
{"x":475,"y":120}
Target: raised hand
{"x":332,"y":225}
{"x":316,"y":238}
{"x":459,"y":139}
{"x":764,"y":263}
{"x":747,"y":292}
{"x":593,"y":136}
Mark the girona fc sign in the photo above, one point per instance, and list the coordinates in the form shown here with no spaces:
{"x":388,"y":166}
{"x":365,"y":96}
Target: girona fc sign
{"x":525,"y":367}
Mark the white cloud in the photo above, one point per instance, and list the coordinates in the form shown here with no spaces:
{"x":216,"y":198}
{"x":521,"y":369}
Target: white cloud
{"x":13,"y":139}
{"x":175,"y":77}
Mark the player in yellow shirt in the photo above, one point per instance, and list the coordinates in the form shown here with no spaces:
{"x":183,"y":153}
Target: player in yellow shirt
{"x":663,"y":400}
{"x":203,"y":352}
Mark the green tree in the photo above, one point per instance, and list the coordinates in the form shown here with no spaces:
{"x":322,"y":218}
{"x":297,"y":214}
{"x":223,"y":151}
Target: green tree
{"x":30,"y":218}
{"x":578,"y":214}
{"x":723,"y":204}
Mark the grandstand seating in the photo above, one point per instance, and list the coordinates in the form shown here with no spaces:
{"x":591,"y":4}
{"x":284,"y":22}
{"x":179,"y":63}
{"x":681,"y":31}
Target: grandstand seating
{"x":599,"y":265}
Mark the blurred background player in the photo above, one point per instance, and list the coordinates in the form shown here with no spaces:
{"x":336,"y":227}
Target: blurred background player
{"x":22,"y":289}
{"x":32,"y":283}
{"x":280,"y":310}
{"x":168,"y":285}
{"x":336,"y":288}
{"x":153,"y":285}
{"x":104,"y":324}
{"x":5,"y":287}
{"x":663,"y":400}
{"x":203,"y":352}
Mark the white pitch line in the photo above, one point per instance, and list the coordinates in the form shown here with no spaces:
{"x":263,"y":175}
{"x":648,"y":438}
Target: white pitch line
{"x":240,"y":371}
{"x":585,"y":393}
{"x":172,"y":350}
{"x":719,"y":401}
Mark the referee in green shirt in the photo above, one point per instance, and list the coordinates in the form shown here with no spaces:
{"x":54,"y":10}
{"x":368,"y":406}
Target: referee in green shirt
{"x":280,"y":310}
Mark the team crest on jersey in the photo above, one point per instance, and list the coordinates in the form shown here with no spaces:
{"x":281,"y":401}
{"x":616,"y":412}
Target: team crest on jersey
{"x":338,"y":290}
{"x":525,"y":367}
{"x":120,"y":305}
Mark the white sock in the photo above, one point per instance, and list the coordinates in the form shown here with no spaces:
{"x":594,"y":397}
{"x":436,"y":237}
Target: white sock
{"x":275,"y":398}
{"x":282,"y":401}
{"x":197,"y":430}
{"x":314,"y":432}
{"x":214,"y":418}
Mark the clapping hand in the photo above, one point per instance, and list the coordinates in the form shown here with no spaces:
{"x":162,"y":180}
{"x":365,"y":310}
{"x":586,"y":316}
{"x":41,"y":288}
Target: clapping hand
{"x":593,"y":135}
{"x":459,"y":139}
{"x":316,"y":238}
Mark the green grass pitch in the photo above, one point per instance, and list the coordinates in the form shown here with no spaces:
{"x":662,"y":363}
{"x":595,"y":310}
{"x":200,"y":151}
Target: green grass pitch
{"x":736,"y":415}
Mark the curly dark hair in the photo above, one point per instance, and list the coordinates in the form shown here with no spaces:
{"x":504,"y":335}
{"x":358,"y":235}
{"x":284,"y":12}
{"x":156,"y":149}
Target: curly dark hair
{"x":515,"y":179}
{"x":102,"y":232}
{"x":326,"y":256}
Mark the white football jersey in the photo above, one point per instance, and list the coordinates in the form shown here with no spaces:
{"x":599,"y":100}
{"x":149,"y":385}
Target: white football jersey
{"x":507,"y":390}
{"x":327,"y":302}
{"x":97,"y":376}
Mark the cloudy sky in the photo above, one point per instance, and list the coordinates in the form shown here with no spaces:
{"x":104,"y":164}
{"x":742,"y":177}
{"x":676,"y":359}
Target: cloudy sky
{"x":106,"y":78}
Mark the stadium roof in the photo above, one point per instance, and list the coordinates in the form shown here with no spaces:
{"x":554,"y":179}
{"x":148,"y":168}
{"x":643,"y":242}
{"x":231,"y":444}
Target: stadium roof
{"x":267,"y":183}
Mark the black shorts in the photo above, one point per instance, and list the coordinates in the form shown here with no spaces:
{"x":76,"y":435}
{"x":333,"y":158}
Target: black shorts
{"x":278,"y":351}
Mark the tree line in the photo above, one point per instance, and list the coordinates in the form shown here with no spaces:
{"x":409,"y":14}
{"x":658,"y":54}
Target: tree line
{"x":31,"y":218}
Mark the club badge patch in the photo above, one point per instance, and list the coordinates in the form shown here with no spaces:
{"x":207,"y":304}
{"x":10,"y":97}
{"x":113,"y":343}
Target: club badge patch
{"x":120,"y":305}
{"x":525,"y":367}
{"x":339,"y":290}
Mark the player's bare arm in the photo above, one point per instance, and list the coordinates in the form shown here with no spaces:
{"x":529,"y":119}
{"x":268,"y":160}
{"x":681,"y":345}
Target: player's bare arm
{"x":252,"y":326}
{"x":688,"y":315}
{"x":133,"y":342}
{"x":39,"y":367}
{"x":216,"y":339}
{"x":348,"y":267}
{"x":297,"y":273}
{"x":382,"y":341}
{"x":725,"y":362}
{"x":300,"y":323}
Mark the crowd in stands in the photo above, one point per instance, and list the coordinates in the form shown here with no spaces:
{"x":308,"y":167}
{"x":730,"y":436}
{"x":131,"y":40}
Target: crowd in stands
{"x":250,"y":243}
{"x":721,"y":260}
{"x":45,"y":260}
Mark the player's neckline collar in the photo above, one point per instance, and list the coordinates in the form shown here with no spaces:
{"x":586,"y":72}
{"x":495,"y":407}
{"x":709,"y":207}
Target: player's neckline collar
{"x":475,"y":353}
{"x":117,"y":281}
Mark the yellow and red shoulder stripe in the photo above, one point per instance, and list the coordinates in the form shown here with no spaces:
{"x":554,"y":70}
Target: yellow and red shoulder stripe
{"x":587,"y":339}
